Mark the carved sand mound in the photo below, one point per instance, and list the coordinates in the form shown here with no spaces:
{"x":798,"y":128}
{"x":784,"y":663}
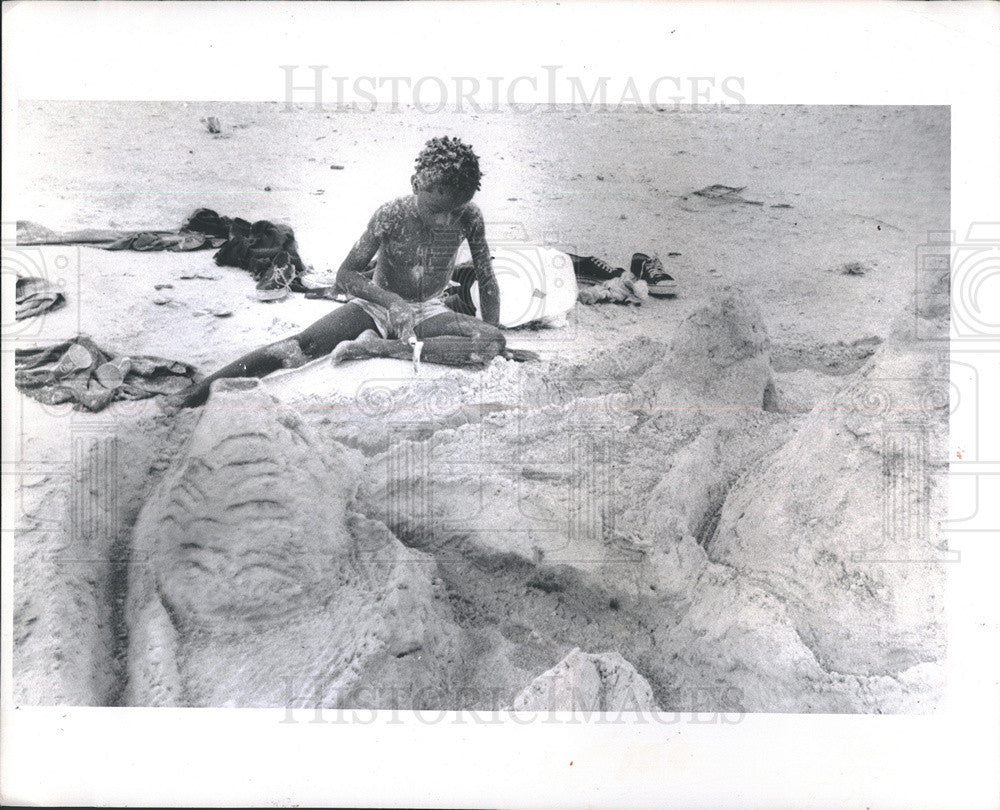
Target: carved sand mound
{"x":572,"y":512}
{"x":251,"y":586}
{"x":718,"y":360}
{"x":608,"y":521}
{"x":554,"y":478}
{"x":649,"y":503}
{"x":838,"y":524}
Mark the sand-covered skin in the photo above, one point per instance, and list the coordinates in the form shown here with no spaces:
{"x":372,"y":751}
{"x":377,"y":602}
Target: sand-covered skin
{"x":684,"y":418}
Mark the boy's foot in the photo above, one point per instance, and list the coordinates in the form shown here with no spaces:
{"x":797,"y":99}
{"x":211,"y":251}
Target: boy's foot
{"x":650,"y":269}
{"x":190,"y":397}
{"x":361,"y":348}
{"x":520,"y":355}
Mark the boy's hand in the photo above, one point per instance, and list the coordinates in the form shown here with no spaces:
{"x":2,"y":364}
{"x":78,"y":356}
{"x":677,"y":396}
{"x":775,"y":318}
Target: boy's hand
{"x":329,"y":293}
{"x":401,"y":319}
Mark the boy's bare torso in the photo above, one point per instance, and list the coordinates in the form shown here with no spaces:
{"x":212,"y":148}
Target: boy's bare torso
{"x":416,"y":259}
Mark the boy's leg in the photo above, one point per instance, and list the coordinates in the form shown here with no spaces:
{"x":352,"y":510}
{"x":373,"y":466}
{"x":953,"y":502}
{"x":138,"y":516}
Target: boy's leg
{"x":449,"y":338}
{"x":343,"y":324}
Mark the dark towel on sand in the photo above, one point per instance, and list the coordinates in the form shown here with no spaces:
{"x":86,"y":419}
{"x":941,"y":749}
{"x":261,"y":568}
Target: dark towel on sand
{"x":256,"y":247}
{"x":71,"y":372}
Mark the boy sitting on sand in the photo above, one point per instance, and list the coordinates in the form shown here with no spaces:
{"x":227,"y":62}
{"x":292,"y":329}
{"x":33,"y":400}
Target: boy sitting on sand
{"x":416,"y":239}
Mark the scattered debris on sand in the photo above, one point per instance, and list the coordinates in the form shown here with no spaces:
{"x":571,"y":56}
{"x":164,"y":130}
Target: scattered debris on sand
{"x":721,"y":193}
{"x":855,"y":268}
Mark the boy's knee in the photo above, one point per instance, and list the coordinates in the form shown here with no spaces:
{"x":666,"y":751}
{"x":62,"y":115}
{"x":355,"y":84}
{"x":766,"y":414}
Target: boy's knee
{"x":491,"y":342}
{"x":492,"y":335}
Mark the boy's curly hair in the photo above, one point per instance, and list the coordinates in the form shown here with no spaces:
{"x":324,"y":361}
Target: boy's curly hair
{"x":448,"y":162}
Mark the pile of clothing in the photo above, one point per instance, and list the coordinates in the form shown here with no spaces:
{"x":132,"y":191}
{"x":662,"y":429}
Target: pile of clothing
{"x":81,"y":372}
{"x":267,"y":250}
{"x":151,"y":241}
{"x":623,"y":289}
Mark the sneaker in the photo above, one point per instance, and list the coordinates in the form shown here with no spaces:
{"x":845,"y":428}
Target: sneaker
{"x":274,"y":284}
{"x":594,"y":270}
{"x":650,"y":269}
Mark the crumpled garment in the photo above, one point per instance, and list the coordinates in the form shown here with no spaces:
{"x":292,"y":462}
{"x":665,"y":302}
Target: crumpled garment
{"x":149,"y":241}
{"x":720,"y":193}
{"x":625,"y":289}
{"x":31,"y":233}
{"x":249,"y":246}
{"x":33,"y":296}
{"x":61,"y":373}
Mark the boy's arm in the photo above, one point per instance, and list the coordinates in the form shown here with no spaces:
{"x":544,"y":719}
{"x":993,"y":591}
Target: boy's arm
{"x":349,"y":277}
{"x":489,"y":292}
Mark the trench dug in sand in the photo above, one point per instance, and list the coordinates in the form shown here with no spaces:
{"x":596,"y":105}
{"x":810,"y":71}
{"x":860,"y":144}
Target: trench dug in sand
{"x":664,"y":527}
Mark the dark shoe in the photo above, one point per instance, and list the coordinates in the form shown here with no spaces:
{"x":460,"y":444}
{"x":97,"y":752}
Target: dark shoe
{"x":650,"y":269}
{"x":594,"y":270}
{"x":274,"y":284}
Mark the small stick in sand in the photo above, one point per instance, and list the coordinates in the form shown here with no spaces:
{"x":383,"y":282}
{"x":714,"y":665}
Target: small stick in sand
{"x":417,"y":346}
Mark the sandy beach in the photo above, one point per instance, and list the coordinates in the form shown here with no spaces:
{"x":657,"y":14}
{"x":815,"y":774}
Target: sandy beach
{"x":816,"y":263}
